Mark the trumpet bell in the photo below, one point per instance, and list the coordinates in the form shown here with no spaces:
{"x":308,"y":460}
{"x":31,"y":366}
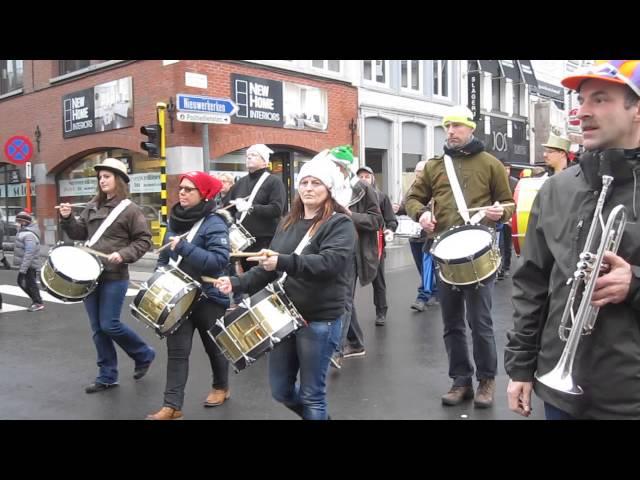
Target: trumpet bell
{"x":560,"y":381}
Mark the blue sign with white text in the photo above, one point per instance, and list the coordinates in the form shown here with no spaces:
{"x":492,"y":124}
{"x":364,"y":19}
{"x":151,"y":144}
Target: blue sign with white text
{"x":200,"y":104}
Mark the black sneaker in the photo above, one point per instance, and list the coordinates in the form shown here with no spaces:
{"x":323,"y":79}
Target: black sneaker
{"x":500,"y":275}
{"x":350,"y":351}
{"x":99,"y":387}
{"x":141,"y":371}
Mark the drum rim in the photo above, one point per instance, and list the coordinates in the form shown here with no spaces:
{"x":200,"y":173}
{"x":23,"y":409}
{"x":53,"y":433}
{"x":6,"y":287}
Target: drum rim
{"x":65,"y":298}
{"x":451,"y":231}
{"x":66,"y":277}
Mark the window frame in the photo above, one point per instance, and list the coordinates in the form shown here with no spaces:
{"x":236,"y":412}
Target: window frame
{"x":438,"y":81}
{"x":373,"y":81}
{"x":409,"y":88}
{"x":18,"y":79}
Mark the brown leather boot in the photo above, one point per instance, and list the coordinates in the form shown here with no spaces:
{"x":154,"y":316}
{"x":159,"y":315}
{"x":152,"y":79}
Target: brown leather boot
{"x":484,"y":395}
{"x":457,"y":395}
{"x":217,"y":397}
{"x":166,"y":413}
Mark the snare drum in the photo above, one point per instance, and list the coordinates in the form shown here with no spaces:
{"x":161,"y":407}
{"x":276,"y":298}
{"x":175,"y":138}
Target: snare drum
{"x":408,"y":228}
{"x":166,"y":300}
{"x":240,"y":238}
{"x":466,"y":255}
{"x":70,"y":273}
{"x":524,"y":194}
{"x":256,"y":326}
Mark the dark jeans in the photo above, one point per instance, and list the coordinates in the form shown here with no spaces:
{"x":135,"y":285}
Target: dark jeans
{"x":27,"y":282}
{"x":308,"y":352}
{"x":380,"y":290}
{"x":453,"y":300}
{"x":103,"y":306}
{"x":554,"y":413}
{"x":179,"y":344}
{"x":416,"y":251}
{"x":351,"y":331}
{"x":506,"y":243}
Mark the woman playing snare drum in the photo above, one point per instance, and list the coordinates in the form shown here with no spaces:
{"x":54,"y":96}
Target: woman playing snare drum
{"x":125,"y":240}
{"x":316,"y":283}
{"x":206,"y":253}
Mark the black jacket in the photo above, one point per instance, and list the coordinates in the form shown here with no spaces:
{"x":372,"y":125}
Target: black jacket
{"x":318,"y":279}
{"x":268,"y":205}
{"x":366,"y":216}
{"x":607,"y":364}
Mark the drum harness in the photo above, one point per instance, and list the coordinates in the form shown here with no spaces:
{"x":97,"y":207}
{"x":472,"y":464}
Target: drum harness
{"x":462,"y":206}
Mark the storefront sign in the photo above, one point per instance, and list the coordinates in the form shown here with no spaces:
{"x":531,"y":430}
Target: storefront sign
{"x":76,"y":187}
{"x":514,"y":148}
{"x":145,"y":182}
{"x":17,"y":190}
{"x":108,"y":106}
{"x":473,"y":84}
{"x":259,"y":101}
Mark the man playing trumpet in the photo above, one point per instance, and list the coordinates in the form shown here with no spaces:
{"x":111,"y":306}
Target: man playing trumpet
{"x":607,"y":362}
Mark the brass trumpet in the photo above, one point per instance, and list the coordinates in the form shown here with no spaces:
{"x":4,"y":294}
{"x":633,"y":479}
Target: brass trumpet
{"x":584,"y":281}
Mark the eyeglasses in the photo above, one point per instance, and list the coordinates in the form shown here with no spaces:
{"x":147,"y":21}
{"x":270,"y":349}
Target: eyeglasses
{"x":608,"y":70}
{"x":186,"y":189}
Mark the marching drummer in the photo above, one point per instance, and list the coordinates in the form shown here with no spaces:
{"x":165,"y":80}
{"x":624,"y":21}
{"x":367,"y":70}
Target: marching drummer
{"x":128,"y":239}
{"x":314,"y":244}
{"x":204,"y":251}
{"x":481,"y":181}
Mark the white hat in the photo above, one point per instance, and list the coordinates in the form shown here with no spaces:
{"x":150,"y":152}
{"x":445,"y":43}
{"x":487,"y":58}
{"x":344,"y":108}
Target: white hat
{"x":325,"y":171}
{"x":114,"y":165}
{"x":261,"y":150}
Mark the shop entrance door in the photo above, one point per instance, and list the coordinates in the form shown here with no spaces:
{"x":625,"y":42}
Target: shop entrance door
{"x":281,"y":166}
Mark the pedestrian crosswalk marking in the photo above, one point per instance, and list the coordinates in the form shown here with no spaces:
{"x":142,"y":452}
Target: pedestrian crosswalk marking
{"x":46,"y":297}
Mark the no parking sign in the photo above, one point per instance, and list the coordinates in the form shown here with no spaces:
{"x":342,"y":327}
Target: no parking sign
{"x":18,"y":149}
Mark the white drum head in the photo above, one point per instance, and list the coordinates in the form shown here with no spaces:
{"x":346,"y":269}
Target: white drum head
{"x":462,"y":244}
{"x":75,"y":263}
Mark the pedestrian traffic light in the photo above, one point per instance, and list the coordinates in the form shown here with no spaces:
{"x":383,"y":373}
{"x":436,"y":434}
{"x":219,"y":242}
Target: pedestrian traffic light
{"x":152,"y":146}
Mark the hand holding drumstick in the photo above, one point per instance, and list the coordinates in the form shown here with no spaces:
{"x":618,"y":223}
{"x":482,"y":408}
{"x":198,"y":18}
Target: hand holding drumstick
{"x":267,"y":259}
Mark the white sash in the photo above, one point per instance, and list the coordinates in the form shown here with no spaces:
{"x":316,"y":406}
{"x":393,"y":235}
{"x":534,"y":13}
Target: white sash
{"x":303,"y":243}
{"x":108,"y":221}
{"x":457,"y":194}
{"x":254,"y":192}
{"x":192,"y":233}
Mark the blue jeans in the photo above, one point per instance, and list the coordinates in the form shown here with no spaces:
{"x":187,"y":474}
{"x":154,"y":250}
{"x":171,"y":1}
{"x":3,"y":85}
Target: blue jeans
{"x":103,"y":306}
{"x":416,"y":251}
{"x":554,"y":413}
{"x":477,"y":301}
{"x":309,"y":352}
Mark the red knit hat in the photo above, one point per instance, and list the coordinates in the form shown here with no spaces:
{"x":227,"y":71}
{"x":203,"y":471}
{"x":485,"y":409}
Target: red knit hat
{"x":207,"y":185}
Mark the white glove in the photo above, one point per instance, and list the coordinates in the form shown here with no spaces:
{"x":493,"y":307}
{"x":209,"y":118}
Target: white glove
{"x":241,"y":204}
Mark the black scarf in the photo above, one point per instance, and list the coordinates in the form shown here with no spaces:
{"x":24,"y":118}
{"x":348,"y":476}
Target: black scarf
{"x":471,"y":148}
{"x":617,"y":162}
{"x":182,"y":219}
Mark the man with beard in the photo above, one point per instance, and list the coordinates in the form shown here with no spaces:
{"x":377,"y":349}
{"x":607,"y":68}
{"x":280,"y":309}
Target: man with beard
{"x":483,"y":182}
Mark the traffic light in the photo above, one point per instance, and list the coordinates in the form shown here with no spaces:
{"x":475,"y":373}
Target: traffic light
{"x":152,"y":146}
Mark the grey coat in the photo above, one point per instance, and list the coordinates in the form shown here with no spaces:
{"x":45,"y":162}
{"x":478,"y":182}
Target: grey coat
{"x":26,"y":252}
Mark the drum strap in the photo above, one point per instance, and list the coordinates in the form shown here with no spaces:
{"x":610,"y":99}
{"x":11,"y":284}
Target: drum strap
{"x":303,"y":243}
{"x":455,"y":187}
{"x":254,"y":192}
{"x":108,"y":221}
{"x":192,"y":233}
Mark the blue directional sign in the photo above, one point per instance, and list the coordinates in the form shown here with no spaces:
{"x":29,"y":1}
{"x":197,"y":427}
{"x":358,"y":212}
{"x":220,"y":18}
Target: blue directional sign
{"x":200,"y":104}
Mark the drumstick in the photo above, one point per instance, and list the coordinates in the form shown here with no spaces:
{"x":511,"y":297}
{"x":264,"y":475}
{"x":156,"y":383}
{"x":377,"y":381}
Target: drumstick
{"x":208,"y":279}
{"x":254,"y":254}
{"x":169,"y":243}
{"x":475,"y":209}
{"x":95,"y":252}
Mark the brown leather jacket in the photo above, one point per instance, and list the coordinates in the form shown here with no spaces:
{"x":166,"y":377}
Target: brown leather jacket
{"x":129,"y":234}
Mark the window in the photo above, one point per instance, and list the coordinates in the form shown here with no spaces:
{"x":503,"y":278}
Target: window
{"x":68,"y":66}
{"x":517,"y":88}
{"x":495,"y":94}
{"x":410,"y":74}
{"x":10,"y":75}
{"x":331,"y":65}
{"x":375,"y":71}
{"x":442,"y":78}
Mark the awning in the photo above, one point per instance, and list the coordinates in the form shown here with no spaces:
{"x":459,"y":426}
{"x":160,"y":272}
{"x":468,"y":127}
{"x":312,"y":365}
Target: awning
{"x":550,"y":91}
{"x":527,"y":73}
{"x":491,"y":66}
{"x":511,"y":70}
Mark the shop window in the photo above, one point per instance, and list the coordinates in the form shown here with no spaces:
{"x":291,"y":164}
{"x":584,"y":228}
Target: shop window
{"x":496,"y":94}
{"x":10,"y":75}
{"x":517,"y":92}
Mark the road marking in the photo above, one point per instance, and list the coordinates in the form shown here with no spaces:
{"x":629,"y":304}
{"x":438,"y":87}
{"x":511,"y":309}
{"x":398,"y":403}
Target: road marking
{"x":18,"y":292}
{"x":8,"y":307}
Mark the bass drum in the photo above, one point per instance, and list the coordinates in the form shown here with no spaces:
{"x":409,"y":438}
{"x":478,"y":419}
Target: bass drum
{"x":526,"y":190}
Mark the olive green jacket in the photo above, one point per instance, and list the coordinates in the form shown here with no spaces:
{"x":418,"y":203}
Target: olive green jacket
{"x":482,"y":179}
